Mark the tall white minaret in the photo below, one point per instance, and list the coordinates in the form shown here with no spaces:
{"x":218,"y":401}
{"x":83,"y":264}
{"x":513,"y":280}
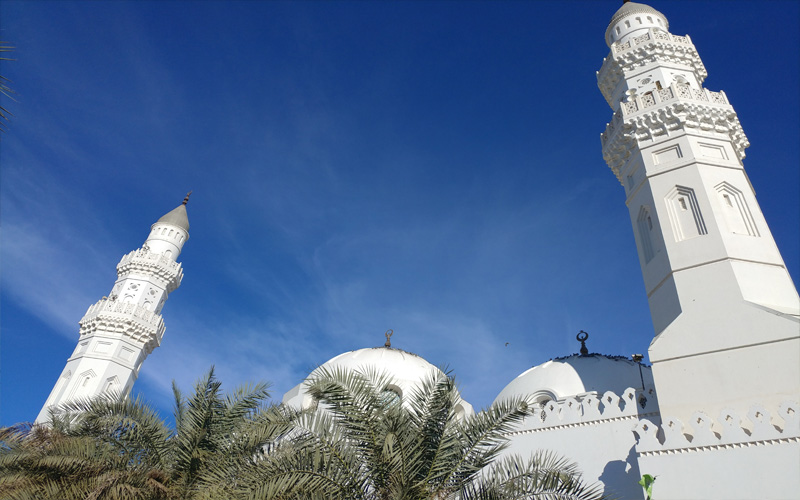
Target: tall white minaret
{"x":724,"y":307}
{"x":121,"y":330}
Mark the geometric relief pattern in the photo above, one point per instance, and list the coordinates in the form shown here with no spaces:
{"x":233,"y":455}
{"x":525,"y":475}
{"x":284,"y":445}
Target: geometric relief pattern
{"x":112,"y":384}
{"x":735,"y":211}
{"x":713,"y":151}
{"x":126,"y":354}
{"x":644,"y":223}
{"x":684,"y":213}
{"x":667,"y":155}
{"x":82,"y":384}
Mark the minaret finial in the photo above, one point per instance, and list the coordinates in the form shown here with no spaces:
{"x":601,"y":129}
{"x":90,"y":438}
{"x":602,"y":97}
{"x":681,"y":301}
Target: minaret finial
{"x":582,"y":336}
{"x":388,"y":334}
{"x":186,"y":200}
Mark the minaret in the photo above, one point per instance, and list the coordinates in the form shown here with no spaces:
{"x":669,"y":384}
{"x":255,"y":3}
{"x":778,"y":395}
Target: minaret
{"x":121,"y":330}
{"x":724,"y":307}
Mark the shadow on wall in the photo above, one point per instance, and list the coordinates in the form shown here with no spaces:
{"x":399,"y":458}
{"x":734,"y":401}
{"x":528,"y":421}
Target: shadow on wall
{"x":625,"y":474}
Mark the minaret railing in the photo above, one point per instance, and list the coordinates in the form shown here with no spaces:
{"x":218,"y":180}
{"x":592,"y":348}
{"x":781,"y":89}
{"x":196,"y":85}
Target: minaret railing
{"x":145,"y":256}
{"x":652,"y":34}
{"x":131,"y":320}
{"x":155,"y":264}
{"x":676,"y":91}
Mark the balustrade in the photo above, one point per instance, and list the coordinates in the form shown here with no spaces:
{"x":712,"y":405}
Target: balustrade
{"x":124,"y":310}
{"x":147,"y":257}
{"x":652,"y":34}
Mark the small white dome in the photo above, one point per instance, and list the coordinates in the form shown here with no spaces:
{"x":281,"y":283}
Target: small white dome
{"x":633,"y":19}
{"x":407,"y":369}
{"x":577,"y":374}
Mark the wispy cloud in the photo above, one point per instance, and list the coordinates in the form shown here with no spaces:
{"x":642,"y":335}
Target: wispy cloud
{"x":350,"y":176}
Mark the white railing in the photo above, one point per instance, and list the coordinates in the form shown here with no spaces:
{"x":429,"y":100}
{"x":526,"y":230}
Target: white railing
{"x":146,"y":257}
{"x":152,"y":264}
{"x":652,"y":34}
{"x":681,"y":91}
{"x":114,"y":309}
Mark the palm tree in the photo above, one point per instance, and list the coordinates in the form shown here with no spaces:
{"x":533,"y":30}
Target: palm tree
{"x":110,"y":449}
{"x":216,"y":437}
{"x":77,"y":459}
{"x":358,"y":444}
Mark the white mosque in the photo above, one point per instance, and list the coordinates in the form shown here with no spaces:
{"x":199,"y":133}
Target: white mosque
{"x":717,"y":414}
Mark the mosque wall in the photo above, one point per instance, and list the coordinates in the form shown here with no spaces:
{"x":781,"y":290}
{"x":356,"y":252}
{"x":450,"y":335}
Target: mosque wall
{"x":594,"y":431}
{"x":733,"y":457}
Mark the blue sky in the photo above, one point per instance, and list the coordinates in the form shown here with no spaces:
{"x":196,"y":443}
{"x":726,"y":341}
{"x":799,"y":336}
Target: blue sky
{"x":429,"y":167}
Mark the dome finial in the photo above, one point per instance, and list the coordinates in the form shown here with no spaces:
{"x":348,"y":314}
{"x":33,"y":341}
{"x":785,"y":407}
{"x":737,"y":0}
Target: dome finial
{"x":186,"y":200}
{"x":582,"y":336}
{"x":388,"y":334}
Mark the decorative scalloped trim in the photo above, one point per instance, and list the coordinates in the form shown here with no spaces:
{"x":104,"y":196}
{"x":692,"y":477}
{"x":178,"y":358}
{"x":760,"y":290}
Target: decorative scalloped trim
{"x":727,"y":432}
{"x":578,"y":424}
{"x":702,"y":449}
{"x":590,"y":409}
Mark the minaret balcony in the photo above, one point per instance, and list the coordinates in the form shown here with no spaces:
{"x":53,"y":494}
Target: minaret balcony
{"x":676,"y":91}
{"x":655,"y":46}
{"x":151,"y":264}
{"x":125,"y":319}
{"x":665,"y":111}
{"x":652,"y":34}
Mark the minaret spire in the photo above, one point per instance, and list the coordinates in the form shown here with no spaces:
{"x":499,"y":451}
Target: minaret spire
{"x":186,"y":200}
{"x":121,"y":330}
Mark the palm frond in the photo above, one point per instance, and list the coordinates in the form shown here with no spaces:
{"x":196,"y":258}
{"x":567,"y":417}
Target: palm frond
{"x":5,"y":87}
{"x":544,"y":475}
{"x":481,"y":439}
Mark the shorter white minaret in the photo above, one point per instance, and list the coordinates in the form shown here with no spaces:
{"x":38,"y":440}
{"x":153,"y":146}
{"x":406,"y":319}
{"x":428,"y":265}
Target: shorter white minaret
{"x":121,"y":330}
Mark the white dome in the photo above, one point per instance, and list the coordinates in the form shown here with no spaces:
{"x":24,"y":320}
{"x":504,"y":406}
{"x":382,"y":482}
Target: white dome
{"x":577,"y":374}
{"x":407,"y":369}
{"x":633,"y":19}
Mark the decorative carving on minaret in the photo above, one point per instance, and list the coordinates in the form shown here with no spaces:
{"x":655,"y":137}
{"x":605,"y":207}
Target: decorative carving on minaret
{"x":684,"y":213}
{"x":736,"y":212}
{"x":645,"y":118}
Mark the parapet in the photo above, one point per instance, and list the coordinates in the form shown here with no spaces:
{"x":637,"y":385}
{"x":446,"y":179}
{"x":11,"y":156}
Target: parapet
{"x":591,"y":409}
{"x":728,"y":431}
